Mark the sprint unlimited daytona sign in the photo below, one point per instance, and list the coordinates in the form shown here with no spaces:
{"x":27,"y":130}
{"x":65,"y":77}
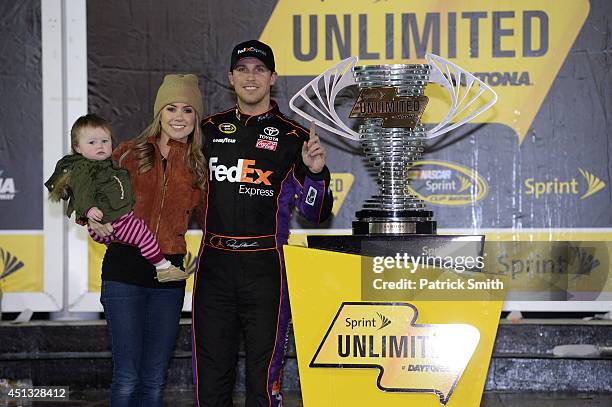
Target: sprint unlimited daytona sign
{"x":538,"y":159}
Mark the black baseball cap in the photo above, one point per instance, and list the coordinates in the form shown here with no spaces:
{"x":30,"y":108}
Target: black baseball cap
{"x":253,"y":49}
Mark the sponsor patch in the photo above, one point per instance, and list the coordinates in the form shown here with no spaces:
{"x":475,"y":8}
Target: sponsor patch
{"x":227,"y":128}
{"x":266,"y":144}
{"x":271,"y":131}
{"x":312,"y":196}
{"x":244,"y":172}
{"x":224,"y":140}
{"x":251,"y":49}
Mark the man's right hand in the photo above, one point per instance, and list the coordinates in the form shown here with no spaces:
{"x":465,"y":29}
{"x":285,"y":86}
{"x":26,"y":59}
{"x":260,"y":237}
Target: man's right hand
{"x":102,"y":230}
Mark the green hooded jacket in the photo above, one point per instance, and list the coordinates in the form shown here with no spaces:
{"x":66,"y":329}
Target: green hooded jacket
{"x":94,"y":183}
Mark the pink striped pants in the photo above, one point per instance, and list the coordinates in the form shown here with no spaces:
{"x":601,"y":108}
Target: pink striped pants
{"x":128,"y":229}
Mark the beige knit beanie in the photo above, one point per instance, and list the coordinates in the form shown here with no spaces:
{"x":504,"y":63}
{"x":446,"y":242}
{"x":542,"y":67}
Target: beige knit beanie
{"x":178,"y":88}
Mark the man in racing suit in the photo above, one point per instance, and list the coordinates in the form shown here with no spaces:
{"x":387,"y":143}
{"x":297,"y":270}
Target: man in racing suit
{"x":261,"y":165}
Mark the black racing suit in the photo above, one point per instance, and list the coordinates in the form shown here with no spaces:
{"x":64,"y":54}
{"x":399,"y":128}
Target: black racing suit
{"x":256,"y":177}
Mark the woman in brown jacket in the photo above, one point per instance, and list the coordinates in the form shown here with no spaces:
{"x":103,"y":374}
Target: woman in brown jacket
{"x":168,"y":175}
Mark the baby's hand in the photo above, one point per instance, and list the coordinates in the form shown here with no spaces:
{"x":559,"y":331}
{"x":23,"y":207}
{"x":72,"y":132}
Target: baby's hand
{"x":95,"y":214}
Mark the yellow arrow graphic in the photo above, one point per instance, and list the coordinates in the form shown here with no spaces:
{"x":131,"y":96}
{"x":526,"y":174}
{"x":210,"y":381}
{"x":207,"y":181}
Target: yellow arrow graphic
{"x":516,"y":47}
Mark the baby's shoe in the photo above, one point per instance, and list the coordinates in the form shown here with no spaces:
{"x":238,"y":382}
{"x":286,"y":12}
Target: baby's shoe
{"x":171,"y":273}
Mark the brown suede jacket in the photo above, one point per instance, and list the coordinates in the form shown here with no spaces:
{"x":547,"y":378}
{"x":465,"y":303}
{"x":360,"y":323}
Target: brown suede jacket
{"x":165,"y":200}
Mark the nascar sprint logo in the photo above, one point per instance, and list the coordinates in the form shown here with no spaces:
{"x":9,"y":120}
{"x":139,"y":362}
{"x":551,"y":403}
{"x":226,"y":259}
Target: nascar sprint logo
{"x":227,"y":128}
{"x":445,"y":183}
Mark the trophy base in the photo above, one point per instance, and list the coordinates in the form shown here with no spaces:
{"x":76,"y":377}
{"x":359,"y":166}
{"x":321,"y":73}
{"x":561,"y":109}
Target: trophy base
{"x":467,"y":245}
{"x":379,"y":222}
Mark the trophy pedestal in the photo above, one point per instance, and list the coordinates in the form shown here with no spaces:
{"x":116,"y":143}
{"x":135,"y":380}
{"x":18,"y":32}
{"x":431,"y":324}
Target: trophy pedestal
{"x":390,"y":245}
{"x":378,"y":222}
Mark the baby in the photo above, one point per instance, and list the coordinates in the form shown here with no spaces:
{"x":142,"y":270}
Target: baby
{"x":96,"y":189}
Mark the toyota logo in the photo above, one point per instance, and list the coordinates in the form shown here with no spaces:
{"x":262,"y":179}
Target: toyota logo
{"x":271,"y":131}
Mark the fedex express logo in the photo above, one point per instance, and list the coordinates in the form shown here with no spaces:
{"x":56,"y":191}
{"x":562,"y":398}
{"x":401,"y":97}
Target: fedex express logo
{"x":251,"y":49}
{"x":243,"y":171}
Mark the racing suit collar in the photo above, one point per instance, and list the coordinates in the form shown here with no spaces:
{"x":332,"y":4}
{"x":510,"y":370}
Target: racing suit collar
{"x":247,"y":119}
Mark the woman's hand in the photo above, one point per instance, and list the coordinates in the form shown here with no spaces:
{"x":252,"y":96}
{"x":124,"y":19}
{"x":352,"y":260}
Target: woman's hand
{"x":102,"y":230}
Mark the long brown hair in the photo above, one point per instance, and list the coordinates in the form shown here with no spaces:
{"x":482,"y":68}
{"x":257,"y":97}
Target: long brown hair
{"x":145,"y":152}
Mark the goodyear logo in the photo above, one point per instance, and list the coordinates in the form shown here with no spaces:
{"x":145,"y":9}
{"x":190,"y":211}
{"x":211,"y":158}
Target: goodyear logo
{"x":227,"y":128}
{"x":584,"y":186}
{"x":515,"y":47}
{"x":410,"y":357}
{"x":445,"y":183}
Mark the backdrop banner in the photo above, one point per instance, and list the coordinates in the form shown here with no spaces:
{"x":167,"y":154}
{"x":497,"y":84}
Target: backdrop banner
{"x":537,"y":163}
{"x":539,"y":159}
{"x":536,"y":166}
{"x":21,"y":140}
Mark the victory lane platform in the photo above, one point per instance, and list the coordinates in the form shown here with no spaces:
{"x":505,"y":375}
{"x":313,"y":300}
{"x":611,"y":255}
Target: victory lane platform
{"x":523,"y":371}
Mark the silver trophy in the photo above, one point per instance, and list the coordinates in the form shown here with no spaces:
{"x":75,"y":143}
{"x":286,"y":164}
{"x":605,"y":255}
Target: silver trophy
{"x":390,"y":103}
